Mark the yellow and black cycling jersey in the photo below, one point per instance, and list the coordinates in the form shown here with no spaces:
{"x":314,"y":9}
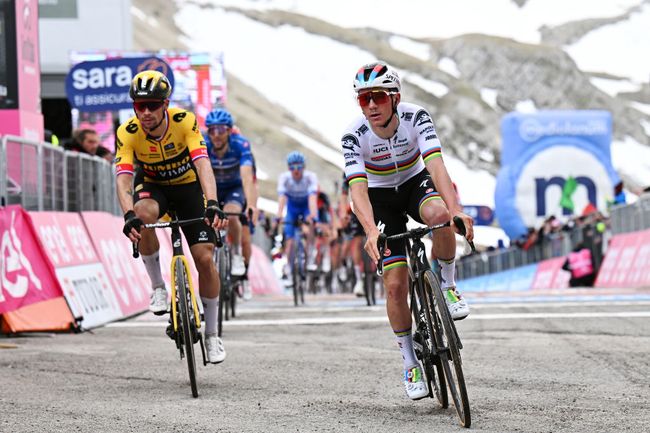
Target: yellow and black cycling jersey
{"x":167,"y":161}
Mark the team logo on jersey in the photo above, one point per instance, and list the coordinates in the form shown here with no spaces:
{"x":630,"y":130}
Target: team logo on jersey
{"x":144,"y":194}
{"x":362,"y":130}
{"x":422,"y":117}
{"x":178,"y":117}
{"x":349,"y":142}
{"x":169,"y":146}
{"x":380,"y":157}
{"x":203,"y":236}
{"x":407,"y":116}
{"x":131,"y":128}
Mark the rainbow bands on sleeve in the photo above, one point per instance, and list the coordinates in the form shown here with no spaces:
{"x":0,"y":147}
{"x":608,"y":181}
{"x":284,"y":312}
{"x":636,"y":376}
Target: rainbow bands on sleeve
{"x":434,"y":152}
{"x":357,"y":177}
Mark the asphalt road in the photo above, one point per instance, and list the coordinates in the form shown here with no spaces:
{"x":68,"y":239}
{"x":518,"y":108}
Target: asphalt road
{"x":333,"y":366}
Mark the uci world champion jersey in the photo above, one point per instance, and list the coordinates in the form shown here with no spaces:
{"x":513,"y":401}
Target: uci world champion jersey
{"x":385,"y":163}
{"x":167,"y":161}
{"x":226,"y":168}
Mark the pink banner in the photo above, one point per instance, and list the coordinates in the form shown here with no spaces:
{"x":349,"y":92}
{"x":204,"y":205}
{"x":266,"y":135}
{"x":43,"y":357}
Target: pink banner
{"x":204,"y":93}
{"x":82,"y":276}
{"x":261,"y":277}
{"x":550,"y":275}
{"x":26,"y":275}
{"x":127,"y":275}
{"x":627,"y":261}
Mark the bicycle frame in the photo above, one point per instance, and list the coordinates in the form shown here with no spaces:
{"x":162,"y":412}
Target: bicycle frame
{"x":178,"y":254}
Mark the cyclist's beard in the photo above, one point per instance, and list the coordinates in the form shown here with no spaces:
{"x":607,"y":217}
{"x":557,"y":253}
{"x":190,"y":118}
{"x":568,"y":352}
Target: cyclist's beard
{"x":148,"y":130}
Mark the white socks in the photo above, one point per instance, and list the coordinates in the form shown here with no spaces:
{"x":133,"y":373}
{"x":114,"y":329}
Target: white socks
{"x":447,"y":271}
{"x":210,"y":312}
{"x":152,"y":264}
{"x":405,"y":342}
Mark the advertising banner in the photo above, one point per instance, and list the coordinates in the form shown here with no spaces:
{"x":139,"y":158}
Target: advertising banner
{"x":31,"y":298}
{"x":103,"y":85}
{"x":627,"y":261}
{"x":550,"y":275}
{"x":84,"y":281}
{"x":126,"y":275}
{"x":553,"y":163}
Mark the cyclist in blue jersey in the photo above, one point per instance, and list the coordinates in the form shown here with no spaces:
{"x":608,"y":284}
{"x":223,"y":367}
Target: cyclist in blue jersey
{"x":232,"y":163}
{"x":297,"y":191}
{"x":394,"y":165}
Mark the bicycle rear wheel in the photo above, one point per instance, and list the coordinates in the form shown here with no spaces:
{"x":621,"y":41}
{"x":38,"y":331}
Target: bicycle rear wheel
{"x":186,"y":323}
{"x":450,"y":354}
{"x":426,"y":347}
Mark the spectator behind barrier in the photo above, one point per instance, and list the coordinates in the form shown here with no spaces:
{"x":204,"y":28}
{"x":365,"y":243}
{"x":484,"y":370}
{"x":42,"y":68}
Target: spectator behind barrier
{"x":579,"y":262}
{"x":87,"y":141}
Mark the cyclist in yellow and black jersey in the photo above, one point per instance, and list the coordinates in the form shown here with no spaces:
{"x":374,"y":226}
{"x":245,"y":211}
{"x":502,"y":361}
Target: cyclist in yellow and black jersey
{"x":173,"y":172}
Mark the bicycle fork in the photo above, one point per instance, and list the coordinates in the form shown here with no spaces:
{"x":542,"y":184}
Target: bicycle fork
{"x":178,"y":253}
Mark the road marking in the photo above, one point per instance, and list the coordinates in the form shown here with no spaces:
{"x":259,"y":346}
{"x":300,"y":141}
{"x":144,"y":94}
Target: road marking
{"x":380,"y":319}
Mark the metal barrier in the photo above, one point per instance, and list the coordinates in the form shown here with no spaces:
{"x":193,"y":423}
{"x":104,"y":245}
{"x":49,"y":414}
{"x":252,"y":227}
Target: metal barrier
{"x":623,"y":219}
{"x":39,"y":176}
{"x":631,"y":217}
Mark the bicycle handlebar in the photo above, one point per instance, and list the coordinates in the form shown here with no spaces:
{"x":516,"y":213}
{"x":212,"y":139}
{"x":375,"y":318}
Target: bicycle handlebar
{"x":417,"y":233}
{"x":173,"y":223}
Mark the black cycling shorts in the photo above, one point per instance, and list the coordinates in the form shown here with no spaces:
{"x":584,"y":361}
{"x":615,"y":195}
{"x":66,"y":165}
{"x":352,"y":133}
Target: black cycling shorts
{"x":390,"y":207}
{"x":188,"y":202}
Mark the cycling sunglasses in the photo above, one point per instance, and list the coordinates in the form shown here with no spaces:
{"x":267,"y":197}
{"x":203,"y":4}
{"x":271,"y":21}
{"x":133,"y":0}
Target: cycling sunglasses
{"x":296,"y":166}
{"x":219,"y":129}
{"x":151,"y":105}
{"x":379,"y":96}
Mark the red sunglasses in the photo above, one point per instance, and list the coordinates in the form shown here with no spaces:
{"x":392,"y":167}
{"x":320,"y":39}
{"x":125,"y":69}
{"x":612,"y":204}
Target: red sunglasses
{"x":219,"y":129}
{"x":151,"y":105}
{"x":379,"y":96}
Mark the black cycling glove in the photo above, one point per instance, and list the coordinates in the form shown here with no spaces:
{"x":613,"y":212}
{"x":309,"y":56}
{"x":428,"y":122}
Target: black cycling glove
{"x":212,"y":210}
{"x":131,"y":221}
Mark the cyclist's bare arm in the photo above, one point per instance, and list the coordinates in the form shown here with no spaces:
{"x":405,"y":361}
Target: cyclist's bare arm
{"x":282,"y":202}
{"x":363,"y":211}
{"x":312,"y":202}
{"x":442,"y":181}
{"x":209,"y":187}
{"x":124,"y":185}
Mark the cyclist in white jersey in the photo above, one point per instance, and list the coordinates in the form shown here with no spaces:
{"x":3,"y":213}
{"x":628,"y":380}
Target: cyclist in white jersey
{"x":393,"y":163}
{"x":298,"y":192}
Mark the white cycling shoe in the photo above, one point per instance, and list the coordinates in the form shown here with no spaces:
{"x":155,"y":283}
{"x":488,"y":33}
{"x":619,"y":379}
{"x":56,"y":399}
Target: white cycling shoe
{"x":214,"y":349}
{"x":414,"y":383}
{"x":158,"y":301}
{"x":456,"y":304}
{"x":238,"y":266}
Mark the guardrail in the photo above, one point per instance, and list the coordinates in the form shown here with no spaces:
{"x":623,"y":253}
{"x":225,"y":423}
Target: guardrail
{"x":631,"y":217}
{"x":39,"y":176}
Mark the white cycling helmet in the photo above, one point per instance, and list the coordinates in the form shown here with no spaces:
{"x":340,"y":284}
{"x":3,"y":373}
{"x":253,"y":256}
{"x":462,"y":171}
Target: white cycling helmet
{"x":377,"y":75}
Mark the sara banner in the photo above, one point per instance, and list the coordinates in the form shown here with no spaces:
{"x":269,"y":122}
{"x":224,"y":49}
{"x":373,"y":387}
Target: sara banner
{"x":103,"y":85}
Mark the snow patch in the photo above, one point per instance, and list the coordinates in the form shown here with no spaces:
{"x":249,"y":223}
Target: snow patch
{"x":449,"y":66}
{"x":436,"y":88}
{"x":416,"y":49}
{"x":489,"y":96}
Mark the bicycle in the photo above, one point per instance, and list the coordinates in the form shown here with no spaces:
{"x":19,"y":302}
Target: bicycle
{"x":298,"y":257}
{"x":223,"y":260}
{"x":436,"y":339}
{"x":184,"y":308}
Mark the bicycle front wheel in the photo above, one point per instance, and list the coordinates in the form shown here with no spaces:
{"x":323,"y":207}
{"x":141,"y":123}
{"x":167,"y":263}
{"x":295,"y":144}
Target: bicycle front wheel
{"x":187,"y":325}
{"x":450,"y":352}
{"x":426,"y":346}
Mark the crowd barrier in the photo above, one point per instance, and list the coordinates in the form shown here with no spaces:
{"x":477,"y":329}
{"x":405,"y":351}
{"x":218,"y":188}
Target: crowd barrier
{"x":65,"y":271}
{"x":39,"y":176}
